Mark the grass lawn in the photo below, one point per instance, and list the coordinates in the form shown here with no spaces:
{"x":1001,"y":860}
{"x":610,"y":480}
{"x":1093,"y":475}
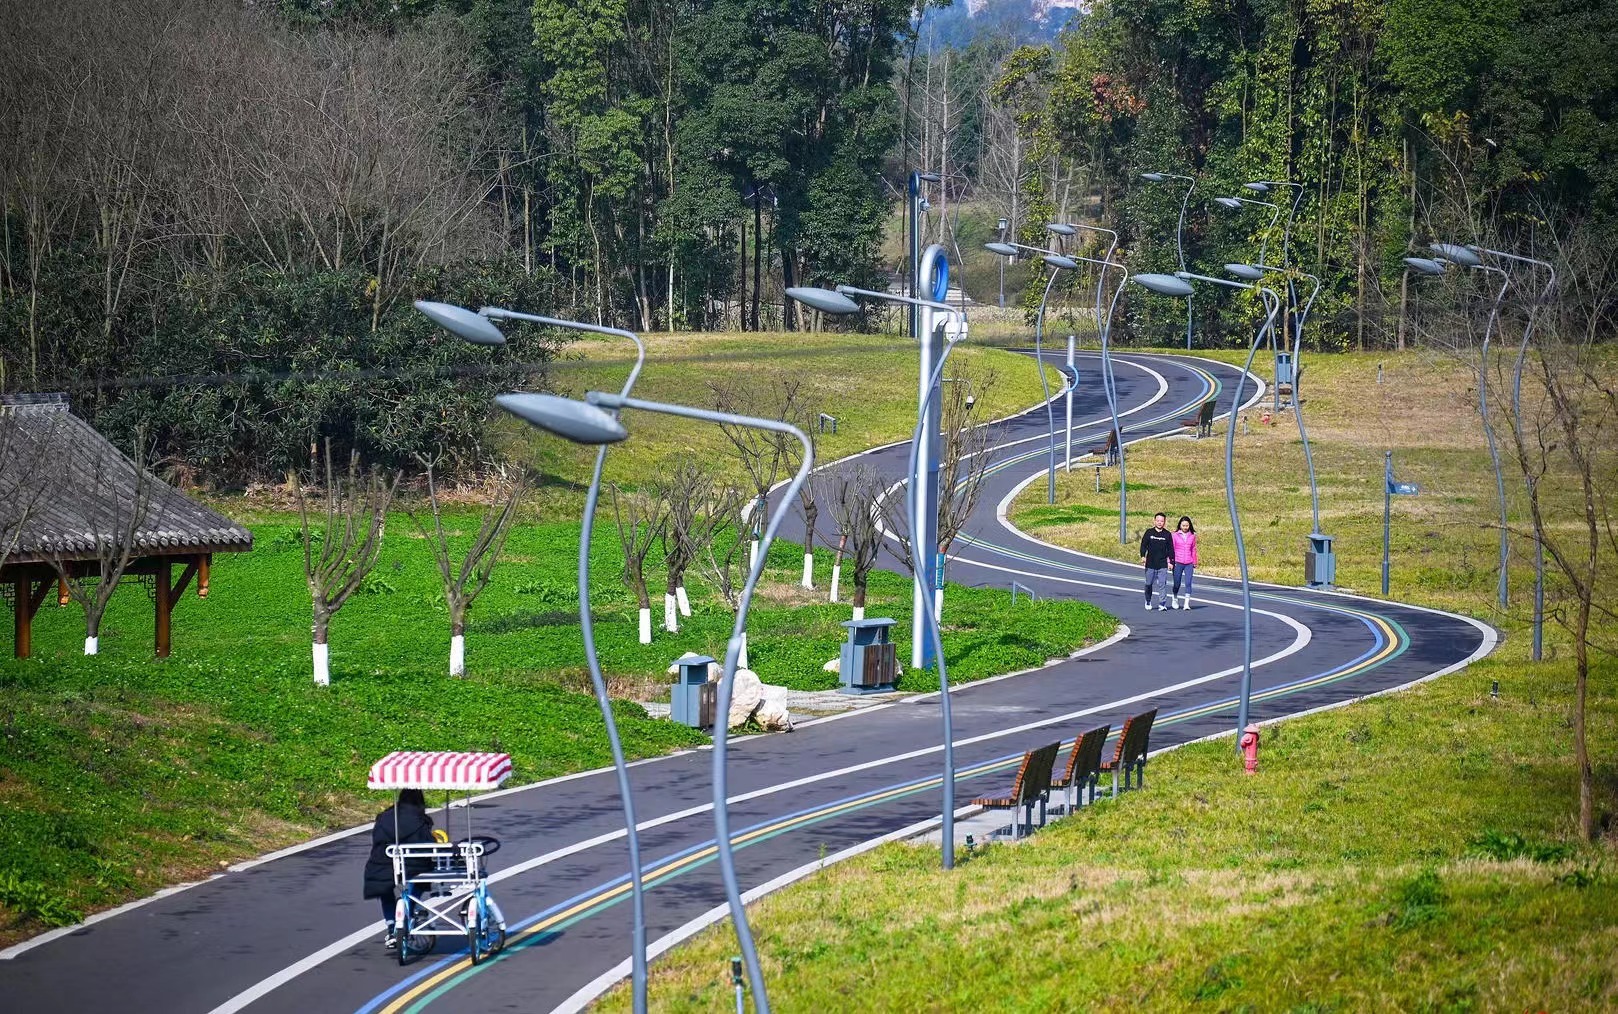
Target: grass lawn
{"x":119,"y":774}
{"x":1413,"y":852}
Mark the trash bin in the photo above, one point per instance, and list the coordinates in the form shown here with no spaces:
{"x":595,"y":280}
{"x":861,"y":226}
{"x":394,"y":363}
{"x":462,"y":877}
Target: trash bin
{"x":868,"y":664}
{"x":692,"y":700}
{"x":1320,"y":562}
{"x":1283,"y":367}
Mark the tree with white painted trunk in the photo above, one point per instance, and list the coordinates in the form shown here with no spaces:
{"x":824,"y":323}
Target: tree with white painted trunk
{"x":642,"y":516}
{"x":855,"y":507}
{"x":810,"y":493}
{"x":114,"y":525}
{"x":765,"y":455}
{"x":691,"y":491}
{"x":342,"y":551}
{"x":724,"y":560}
{"x":464,"y":580}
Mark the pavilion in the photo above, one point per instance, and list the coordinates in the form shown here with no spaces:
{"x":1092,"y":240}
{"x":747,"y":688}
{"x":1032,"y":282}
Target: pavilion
{"x":69,"y":501}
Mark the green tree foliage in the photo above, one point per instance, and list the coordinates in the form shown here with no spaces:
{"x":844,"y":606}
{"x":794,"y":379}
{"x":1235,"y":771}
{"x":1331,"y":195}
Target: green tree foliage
{"x":1391,"y":112}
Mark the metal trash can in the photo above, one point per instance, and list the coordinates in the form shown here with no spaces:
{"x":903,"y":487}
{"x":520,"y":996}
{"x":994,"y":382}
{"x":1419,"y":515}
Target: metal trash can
{"x":868,"y":664}
{"x":1320,"y":562}
{"x":1283,"y":368}
{"x":692,"y":700}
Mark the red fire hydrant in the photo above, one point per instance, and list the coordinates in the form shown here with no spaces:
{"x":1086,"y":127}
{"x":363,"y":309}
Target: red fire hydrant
{"x":1250,"y":747}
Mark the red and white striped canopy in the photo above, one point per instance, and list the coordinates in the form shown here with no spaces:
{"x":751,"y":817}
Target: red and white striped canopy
{"x":427,"y":769}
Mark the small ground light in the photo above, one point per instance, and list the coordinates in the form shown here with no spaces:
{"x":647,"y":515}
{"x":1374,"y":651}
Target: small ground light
{"x":971,"y":844}
{"x":737,"y":981}
{"x":1494,"y":689}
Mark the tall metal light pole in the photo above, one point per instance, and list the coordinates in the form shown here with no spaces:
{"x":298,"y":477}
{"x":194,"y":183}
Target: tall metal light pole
{"x":1465,"y":257}
{"x":583,"y":421}
{"x":475,"y":327}
{"x":1295,"y":325}
{"x":1516,"y":415}
{"x":916,"y":205}
{"x":1104,"y":328}
{"x":838,"y":302}
{"x":1179,"y":233}
{"x":1175,"y":285}
{"x":1003,"y":225}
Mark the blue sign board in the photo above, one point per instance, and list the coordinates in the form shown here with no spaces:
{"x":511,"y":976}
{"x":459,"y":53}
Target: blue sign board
{"x":938,"y":573}
{"x":1403,"y":488}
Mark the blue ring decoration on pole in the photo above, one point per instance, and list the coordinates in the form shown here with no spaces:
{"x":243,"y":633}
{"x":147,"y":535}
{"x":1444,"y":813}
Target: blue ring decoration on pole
{"x":940,"y":279}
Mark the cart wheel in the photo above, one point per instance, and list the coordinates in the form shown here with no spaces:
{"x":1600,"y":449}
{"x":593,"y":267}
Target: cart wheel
{"x":477,"y":922}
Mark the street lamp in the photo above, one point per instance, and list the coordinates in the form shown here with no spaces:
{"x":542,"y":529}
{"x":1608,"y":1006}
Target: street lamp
{"x":1235,"y":204}
{"x":924,"y":622}
{"x":1467,"y":257}
{"x":584,"y":427}
{"x":1263,"y":187}
{"x":1516,"y":414}
{"x":1003,"y":226}
{"x":1179,"y":232}
{"x":592,"y":420}
{"x":918,"y":204}
{"x":1176,"y":285}
{"x":1104,"y":330}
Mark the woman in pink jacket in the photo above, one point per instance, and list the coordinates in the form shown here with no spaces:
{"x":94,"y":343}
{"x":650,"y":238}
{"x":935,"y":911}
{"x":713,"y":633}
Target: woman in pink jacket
{"x":1185,"y":561}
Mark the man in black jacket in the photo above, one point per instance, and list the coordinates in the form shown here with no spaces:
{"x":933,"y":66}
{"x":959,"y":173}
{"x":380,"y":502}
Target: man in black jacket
{"x":406,"y":822}
{"x":1156,"y":550}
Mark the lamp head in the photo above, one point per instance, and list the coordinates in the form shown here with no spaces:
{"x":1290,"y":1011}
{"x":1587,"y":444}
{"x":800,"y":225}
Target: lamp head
{"x":1246,"y":272}
{"x":460,"y":321}
{"x":574,"y":420}
{"x":1003,"y":249}
{"x":1153,"y":177}
{"x":1163,"y":285}
{"x":1461,"y":255}
{"x":1228,"y":202}
{"x":1425,"y":265}
{"x":824,"y":300}
{"x":930,"y":177}
{"x":1258,"y":188}
{"x":1062,"y":229}
{"x":1058,"y":261}
{"x":1003,"y":224}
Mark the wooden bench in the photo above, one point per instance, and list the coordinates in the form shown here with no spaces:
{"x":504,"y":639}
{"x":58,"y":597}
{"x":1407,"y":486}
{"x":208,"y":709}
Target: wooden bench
{"x":1032,"y":785}
{"x":1202,"y":422}
{"x":1109,"y":453}
{"x":1083,"y":768}
{"x":1130,"y":756}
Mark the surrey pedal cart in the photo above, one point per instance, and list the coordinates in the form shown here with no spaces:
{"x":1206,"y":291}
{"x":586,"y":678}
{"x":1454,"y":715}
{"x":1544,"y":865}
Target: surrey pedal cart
{"x":443,"y":885}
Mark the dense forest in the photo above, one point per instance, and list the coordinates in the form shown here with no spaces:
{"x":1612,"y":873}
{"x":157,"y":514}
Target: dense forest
{"x":215,"y":215}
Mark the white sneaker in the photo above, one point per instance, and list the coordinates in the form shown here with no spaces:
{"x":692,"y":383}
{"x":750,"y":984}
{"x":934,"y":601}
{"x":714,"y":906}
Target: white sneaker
{"x":1148,"y":607}
{"x":1162,"y":608}
{"x":1185,"y":602}
{"x":1174,"y":602}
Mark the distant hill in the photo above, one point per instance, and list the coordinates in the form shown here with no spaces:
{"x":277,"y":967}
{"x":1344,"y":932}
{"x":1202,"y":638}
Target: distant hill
{"x":1019,"y":21}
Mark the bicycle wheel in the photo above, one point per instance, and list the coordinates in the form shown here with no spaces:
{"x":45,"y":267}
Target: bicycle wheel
{"x":477,"y":921}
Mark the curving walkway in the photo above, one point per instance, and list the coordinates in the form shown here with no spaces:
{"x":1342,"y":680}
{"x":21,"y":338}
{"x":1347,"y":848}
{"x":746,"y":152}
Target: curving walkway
{"x":290,"y":932}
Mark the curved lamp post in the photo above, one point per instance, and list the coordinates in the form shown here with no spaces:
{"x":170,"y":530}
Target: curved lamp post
{"x":1175,"y":285}
{"x":838,"y":302}
{"x":1467,"y":257}
{"x":1263,"y":187}
{"x":1104,"y":326}
{"x":592,"y":421}
{"x":1179,"y":233}
{"x":586,"y":428}
{"x":1235,"y":204}
{"x":1109,"y":382}
{"x":1516,"y":415}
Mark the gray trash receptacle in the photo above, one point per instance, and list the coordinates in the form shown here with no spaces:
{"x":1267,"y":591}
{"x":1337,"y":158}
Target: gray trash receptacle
{"x":1320,"y":562}
{"x":868,"y":664}
{"x":692,"y":700}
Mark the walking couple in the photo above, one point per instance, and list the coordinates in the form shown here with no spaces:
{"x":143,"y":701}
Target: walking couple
{"x":1161,"y":548}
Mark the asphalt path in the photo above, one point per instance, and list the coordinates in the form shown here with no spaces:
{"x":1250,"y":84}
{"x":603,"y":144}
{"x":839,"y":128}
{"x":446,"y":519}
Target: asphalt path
{"x":290,"y":932}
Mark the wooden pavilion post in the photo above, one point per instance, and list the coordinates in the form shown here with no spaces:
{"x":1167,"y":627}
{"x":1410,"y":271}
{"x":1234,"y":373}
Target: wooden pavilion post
{"x":161,"y":577}
{"x":22,"y":615}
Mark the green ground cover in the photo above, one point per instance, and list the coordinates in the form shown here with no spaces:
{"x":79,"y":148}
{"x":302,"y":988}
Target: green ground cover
{"x":1409,"y":852}
{"x":1414,"y":852}
{"x":119,"y":774}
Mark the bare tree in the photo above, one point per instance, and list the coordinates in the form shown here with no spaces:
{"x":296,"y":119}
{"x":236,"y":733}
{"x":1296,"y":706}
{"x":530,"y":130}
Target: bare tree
{"x":642,"y":517}
{"x":1566,"y":445}
{"x":339,"y":555}
{"x":115,"y":516}
{"x":856,"y":507}
{"x":465,"y":582}
{"x":724,"y":559}
{"x":810,"y":493}
{"x":696,"y":509}
{"x":764,"y":454}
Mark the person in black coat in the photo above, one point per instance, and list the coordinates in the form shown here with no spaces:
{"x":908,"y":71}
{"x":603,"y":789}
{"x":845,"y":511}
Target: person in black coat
{"x":406,"y":822}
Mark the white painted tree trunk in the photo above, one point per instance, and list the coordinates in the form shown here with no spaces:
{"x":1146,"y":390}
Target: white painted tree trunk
{"x":859,"y":612}
{"x":91,"y":644}
{"x":938,"y":605}
{"x":322,"y":665}
{"x":646,"y":625}
{"x":671,"y":614}
{"x":808,"y":570}
{"x":457,"y":655}
{"x":752,"y":555}
{"x":836,"y":579}
{"x":685,"y":603}
{"x":741,"y":658}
